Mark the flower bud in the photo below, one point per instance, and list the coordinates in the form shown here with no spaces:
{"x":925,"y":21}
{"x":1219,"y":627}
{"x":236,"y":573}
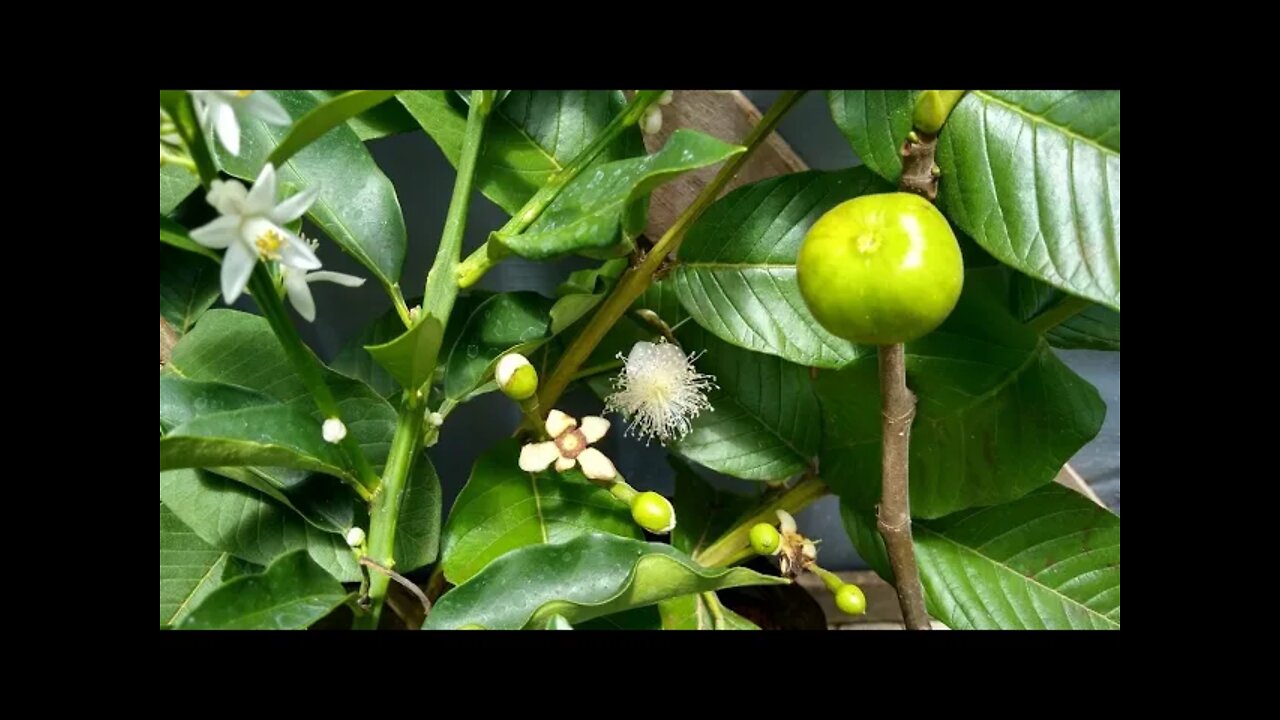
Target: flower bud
{"x":765,"y":539}
{"x":516,"y":376}
{"x":333,"y":430}
{"x":849,"y":599}
{"x":355,"y":537}
{"x":653,"y":512}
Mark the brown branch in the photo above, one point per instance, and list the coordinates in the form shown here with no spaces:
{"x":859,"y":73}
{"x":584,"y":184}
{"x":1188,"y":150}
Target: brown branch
{"x":893,"y":517}
{"x":168,"y":338}
{"x":919,"y":173}
{"x":406,"y":582}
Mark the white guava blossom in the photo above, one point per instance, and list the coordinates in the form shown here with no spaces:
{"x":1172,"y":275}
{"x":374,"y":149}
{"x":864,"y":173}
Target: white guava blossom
{"x":659,"y":391}
{"x":251,"y":226}
{"x":296,"y":284}
{"x":570,"y":445}
{"x":217,"y":111}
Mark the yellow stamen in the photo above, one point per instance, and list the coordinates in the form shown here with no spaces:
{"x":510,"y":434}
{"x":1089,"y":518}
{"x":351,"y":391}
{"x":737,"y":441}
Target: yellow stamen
{"x":269,"y":244}
{"x":243,"y":93}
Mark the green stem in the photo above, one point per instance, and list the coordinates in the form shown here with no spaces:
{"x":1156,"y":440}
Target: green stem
{"x":717,"y":610}
{"x":1067,"y":308}
{"x":182,"y":110}
{"x":308,"y":368}
{"x":597,"y":369}
{"x":830,"y":579}
{"x":405,"y":445}
{"x":735,"y":545}
{"x":489,"y":254}
{"x":442,"y":288}
{"x":636,"y":280}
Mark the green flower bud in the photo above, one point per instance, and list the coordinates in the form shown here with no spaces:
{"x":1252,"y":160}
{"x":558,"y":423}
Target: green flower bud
{"x":653,"y":512}
{"x":516,"y":376}
{"x":849,"y":599}
{"x":765,"y":539}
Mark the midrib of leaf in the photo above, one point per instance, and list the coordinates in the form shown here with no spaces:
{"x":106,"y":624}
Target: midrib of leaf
{"x":537,"y":505}
{"x":994,"y":390}
{"x":768,"y":429}
{"x":921,"y":528}
{"x":1043,"y":120}
{"x":221,"y":561}
{"x":550,"y":158}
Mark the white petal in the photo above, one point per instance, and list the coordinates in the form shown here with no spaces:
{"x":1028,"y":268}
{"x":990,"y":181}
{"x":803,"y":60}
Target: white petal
{"x":558,"y":422}
{"x":261,"y":105}
{"x":295,"y":284}
{"x":262,"y":198}
{"x":295,"y":206}
{"x":563,"y":463}
{"x":335,"y":277}
{"x":786,"y":523}
{"x":237,"y":266}
{"x":227,"y":196}
{"x":228,"y":127}
{"x":297,"y":253}
{"x":593,"y":428}
{"x":218,"y":234}
{"x":596,"y":465}
{"x":535,"y":457}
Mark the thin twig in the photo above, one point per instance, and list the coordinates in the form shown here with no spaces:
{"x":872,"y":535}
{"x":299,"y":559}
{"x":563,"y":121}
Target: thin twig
{"x":409,"y":584}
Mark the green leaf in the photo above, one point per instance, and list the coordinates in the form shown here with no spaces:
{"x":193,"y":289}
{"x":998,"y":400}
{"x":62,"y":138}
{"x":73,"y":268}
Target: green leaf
{"x":357,"y":207}
{"x":292,"y":594}
{"x":322,"y":500}
{"x":587,"y":577}
{"x":239,"y":349}
{"x":503,"y":507}
{"x":703,"y":513}
{"x":737,"y":271}
{"x":1094,"y":328}
{"x":411,"y":357}
{"x":694,"y":612}
{"x":329,"y":114}
{"x":234,"y":518}
{"x":876,"y":123}
{"x":1048,"y":560}
{"x":584,"y":290}
{"x":557,"y":622}
{"x":642,"y":618}
{"x":189,"y":285}
{"x":356,"y":362}
{"x":389,"y":118}
{"x":592,"y":213}
{"x":171,"y":233}
{"x":189,"y":568}
{"x":998,"y":414}
{"x":176,"y":183}
{"x":1034,"y":177}
{"x":418,"y":524}
{"x":531,"y":136}
{"x":506,"y":322}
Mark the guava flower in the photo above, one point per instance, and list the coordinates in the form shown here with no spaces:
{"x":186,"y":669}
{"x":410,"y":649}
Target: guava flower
{"x":217,"y":110}
{"x":251,"y":226}
{"x":659,"y":391}
{"x":570,"y":445}
{"x":296,"y":284}
{"x":796,"y":552}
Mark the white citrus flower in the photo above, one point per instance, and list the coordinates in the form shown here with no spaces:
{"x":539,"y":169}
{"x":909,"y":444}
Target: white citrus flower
{"x":570,"y":445}
{"x":659,"y":391}
{"x":251,"y":226}
{"x":296,"y":284}
{"x":218,"y":109}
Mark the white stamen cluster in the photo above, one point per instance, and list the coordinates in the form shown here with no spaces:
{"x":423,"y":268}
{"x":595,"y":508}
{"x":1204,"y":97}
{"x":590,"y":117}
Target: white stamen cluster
{"x":659,"y":392}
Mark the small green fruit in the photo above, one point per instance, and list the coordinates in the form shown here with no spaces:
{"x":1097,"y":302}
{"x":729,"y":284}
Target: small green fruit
{"x":765,"y":539}
{"x":881,"y":269}
{"x":849,"y":599}
{"x":653,"y":512}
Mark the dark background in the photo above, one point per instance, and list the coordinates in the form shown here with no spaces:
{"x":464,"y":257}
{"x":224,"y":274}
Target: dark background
{"x":424,"y":180}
